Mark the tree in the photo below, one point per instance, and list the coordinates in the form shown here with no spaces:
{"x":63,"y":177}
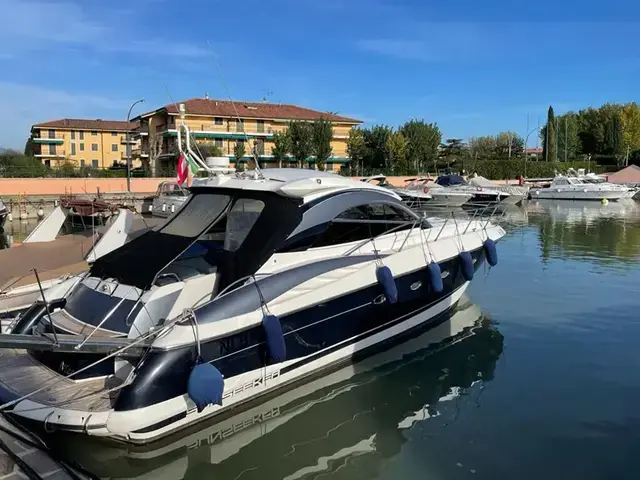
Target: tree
{"x":482,"y":148}
{"x":239,"y":151}
{"x":29,"y":148}
{"x":301,"y":134}
{"x":396,"y":149}
{"x":549,"y":139}
{"x":590,"y":131}
{"x":375,"y":140}
{"x":281,"y":146}
{"x":208,"y":149}
{"x":321,"y":139}
{"x":630,"y":117}
{"x":356,"y":148}
{"x":508,"y":145}
{"x":452,"y":150}
{"x":423,"y":140}
{"x":568,"y":144}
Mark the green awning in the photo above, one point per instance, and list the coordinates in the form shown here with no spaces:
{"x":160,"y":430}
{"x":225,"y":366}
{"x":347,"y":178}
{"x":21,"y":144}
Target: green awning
{"x":53,"y":141}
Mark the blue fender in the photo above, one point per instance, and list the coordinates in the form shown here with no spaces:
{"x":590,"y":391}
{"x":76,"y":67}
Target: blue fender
{"x":466,"y":265}
{"x":205,"y":386}
{"x":491,"y":252}
{"x":434,"y":273}
{"x":388,"y":283}
{"x":276,"y":345}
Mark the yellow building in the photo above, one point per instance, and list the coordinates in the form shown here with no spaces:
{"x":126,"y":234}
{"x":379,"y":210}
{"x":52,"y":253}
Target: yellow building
{"x":225,"y":123}
{"x":90,"y":143}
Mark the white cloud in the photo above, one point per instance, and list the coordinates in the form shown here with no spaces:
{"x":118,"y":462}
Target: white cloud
{"x":39,"y":25}
{"x":25,"y":105}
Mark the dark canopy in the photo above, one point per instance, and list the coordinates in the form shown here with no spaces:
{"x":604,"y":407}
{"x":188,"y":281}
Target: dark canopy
{"x":138,"y":262}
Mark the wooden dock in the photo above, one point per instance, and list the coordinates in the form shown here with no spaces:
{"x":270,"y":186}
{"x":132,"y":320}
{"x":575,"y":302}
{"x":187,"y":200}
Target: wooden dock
{"x":21,"y":458}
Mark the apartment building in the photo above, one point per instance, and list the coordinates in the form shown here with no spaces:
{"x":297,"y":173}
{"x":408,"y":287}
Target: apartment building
{"x":90,"y":143}
{"x":225,"y":123}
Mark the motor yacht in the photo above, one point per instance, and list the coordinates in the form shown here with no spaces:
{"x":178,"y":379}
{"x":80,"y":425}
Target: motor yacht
{"x":515,"y":193}
{"x":259,"y":281}
{"x":569,"y":187}
{"x":480,"y":195}
{"x":168,"y":198}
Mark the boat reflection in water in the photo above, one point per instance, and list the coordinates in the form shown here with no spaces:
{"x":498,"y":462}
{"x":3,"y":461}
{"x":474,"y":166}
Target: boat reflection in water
{"x":351,"y":420}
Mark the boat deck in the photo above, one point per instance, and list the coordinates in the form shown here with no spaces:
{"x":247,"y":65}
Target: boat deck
{"x":22,"y":374}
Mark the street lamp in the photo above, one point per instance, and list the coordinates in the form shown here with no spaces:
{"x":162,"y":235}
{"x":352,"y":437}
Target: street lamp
{"x":129,"y":145}
{"x":525,"y":149}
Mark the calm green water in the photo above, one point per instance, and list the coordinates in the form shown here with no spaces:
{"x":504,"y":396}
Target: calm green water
{"x":542,"y":380}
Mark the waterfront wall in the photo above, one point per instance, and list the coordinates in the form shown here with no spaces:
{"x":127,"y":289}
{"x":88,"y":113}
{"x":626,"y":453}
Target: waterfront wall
{"x":45,"y":187}
{"x":12,"y":187}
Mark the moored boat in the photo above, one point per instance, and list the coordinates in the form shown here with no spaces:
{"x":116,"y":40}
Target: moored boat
{"x":564,"y":187}
{"x":207,"y":313}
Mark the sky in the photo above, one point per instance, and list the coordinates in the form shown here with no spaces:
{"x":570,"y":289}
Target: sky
{"x":475,"y":68}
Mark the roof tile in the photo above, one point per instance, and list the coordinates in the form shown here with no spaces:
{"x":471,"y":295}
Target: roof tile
{"x":225,"y":108}
{"x":82,"y":124}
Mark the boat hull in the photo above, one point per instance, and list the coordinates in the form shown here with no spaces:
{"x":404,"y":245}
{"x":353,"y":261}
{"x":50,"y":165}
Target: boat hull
{"x":597,"y":195}
{"x":244,"y":391}
{"x":449,"y":200}
{"x":327,"y":345}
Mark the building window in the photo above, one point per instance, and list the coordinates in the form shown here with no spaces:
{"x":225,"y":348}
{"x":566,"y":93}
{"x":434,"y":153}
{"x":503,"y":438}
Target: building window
{"x":114,"y":147}
{"x":94,"y":163}
{"x":52,"y":134}
{"x":114,"y":134}
{"x":94,"y":133}
{"x":47,"y":163}
{"x":73,"y":135}
{"x":218,"y":142}
{"x":82,"y":163}
{"x":260,"y":126}
{"x":218,"y":121}
{"x":82,"y":147}
{"x":73,"y":149}
{"x":239,"y":125}
{"x":94,"y":147}
{"x":81,"y":135}
{"x":52,"y":149}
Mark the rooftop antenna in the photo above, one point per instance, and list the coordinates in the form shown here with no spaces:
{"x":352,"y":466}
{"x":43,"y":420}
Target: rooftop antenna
{"x":258,"y":172}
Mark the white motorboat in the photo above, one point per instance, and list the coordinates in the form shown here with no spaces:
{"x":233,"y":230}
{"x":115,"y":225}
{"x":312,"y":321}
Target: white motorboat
{"x":480,"y":195}
{"x":515,"y":193}
{"x":259,"y":281}
{"x":415,"y":193}
{"x":168,"y":198}
{"x":565,"y":187}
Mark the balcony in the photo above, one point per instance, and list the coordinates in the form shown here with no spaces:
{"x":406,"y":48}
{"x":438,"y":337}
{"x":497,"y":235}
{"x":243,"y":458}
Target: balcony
{"x":48,"y":141}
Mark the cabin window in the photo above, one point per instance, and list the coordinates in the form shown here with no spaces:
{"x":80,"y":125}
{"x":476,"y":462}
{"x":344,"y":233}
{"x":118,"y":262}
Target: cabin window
{"x":354,"y":224}
{"x":240,"y":221}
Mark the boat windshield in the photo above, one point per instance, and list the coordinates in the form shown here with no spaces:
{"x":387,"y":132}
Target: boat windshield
{"x":221,"y":230}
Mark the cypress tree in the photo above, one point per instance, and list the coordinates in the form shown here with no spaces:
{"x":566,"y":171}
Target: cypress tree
{"x":549,"y":147}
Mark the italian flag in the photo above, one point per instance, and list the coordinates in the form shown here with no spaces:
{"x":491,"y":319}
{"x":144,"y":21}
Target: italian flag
{"x":186,"y":168}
